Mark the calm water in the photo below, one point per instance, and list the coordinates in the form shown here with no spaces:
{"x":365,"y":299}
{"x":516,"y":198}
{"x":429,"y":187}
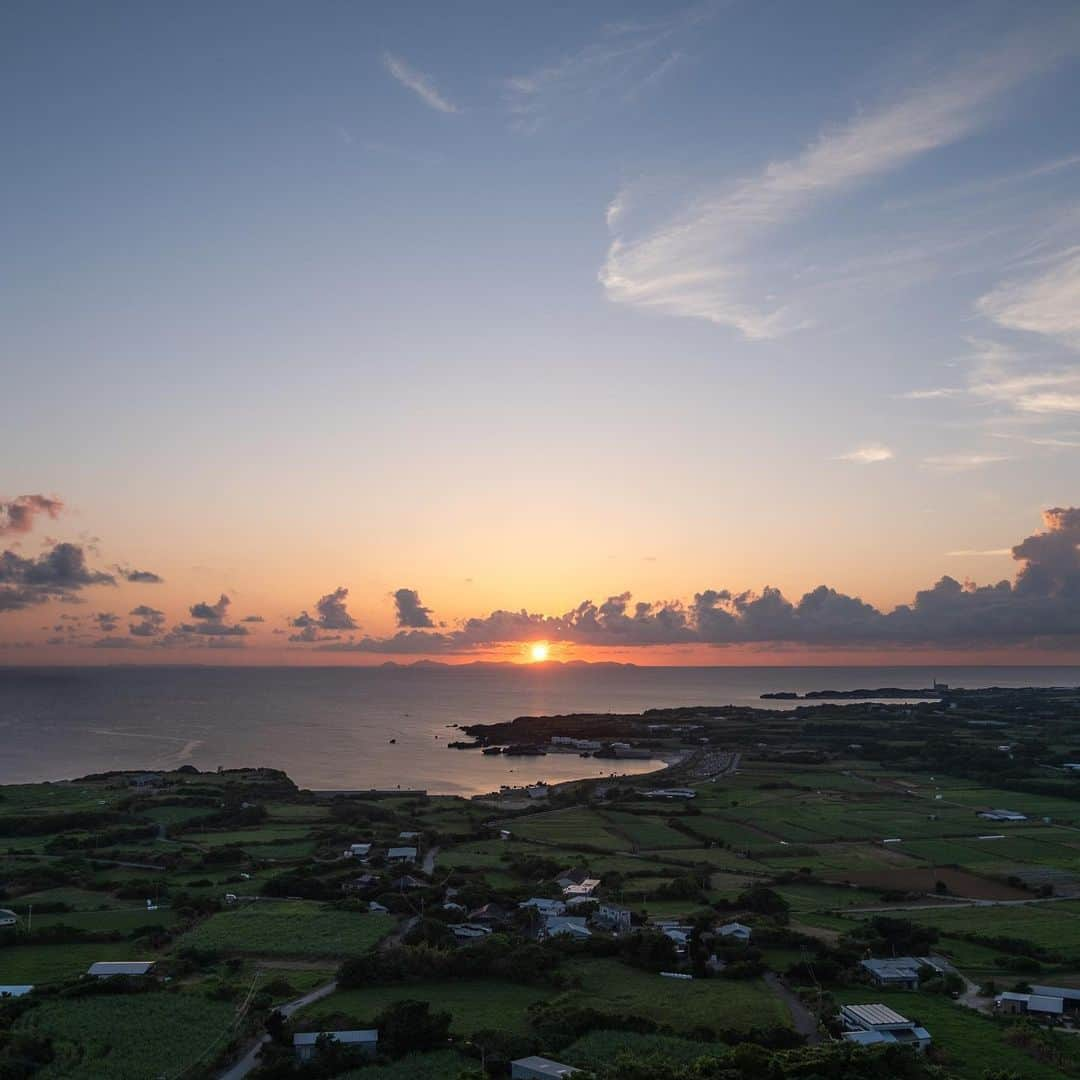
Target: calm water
{"x":331,"y":727}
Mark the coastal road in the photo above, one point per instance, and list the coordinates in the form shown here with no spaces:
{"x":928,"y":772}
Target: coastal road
{"x":251,"y":1056}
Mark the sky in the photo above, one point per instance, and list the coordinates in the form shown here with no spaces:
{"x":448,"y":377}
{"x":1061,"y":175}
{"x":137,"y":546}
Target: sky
{"x":719,"y":333}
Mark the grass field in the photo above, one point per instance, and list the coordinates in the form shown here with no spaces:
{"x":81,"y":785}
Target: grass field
{"x":40,"y":964}
{"x":683,"y":1004}
{"x":474,"y":1004}
{"x":1049,"y":925}
{"x":128,"y":1036}
{"x":568,"y":828}
{"x":973,"y":1043}
{"x":441,"y":1065}
{"x":647,"y":832}
{"x":290,"y":928}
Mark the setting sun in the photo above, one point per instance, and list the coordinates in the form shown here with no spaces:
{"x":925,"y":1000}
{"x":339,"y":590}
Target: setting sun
{"x":539,"y":652}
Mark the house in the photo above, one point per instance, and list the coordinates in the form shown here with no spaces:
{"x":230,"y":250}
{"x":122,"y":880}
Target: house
{"x":538,"y":791}
{"x":1036,"y":1004}
{"x":680,"y":936}
{"x":874,"y":1025}
{"x":305,"y":1043}
{"x":375,"y":908}
{"x":141,"y":781}
{"x":901,"y":972}
{"x":361,"y":883}
{"x":613,"y":917}
{"x":670,"y":793}
{"x":408,"y":836}
{"x":1001,"y":815}
{"x":106,"y":969}
{"x":13,"y":990}
{"x":566,"y":926}
{"x":407,"y":881}
{"x":401,"y":854}
{"x":538,"y":1068}
{"x":7,"y":917}
{"x":735,"y":930}
{"x":357,"y":851}
{"x":467,"y":931}
{"x":585,"y":887}
{"x":494,"y":914}
{"x":544,"y":906}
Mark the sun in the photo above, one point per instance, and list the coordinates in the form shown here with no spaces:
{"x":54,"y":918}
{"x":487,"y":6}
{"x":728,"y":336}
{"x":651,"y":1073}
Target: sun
{"x":539,"y":652}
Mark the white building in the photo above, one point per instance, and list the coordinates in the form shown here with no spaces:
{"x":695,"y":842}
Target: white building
{"x":358,"y":851}
{"x":401,"y":854}
{"x":613,"y":917}
{"x":1002,"y":815}
{"x":735,"y":930}
{"x":7,"y":917}
{"x":106,"y":969}
{"x":538,"y":1068}
{"x":875,"y":1025}
{"x":584,"y":888}
{"x":305,"y":1043}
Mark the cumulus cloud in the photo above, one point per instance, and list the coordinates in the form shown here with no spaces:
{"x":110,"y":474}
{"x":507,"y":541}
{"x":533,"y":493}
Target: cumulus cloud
{"x":410,"y":612}
{"x":1041,"y":606}
{"x":331,"y":614}
{"x":106,"y":621}
{"x":17,"y":515}
{"x":139,"y":577}
{"x":60,"y":573}
{"x":420,"y":84}
{"x":210,"y":623}
{"x":151,"y":622}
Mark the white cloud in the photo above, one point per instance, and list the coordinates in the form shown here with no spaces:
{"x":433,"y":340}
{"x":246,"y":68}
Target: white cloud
{"x":968,"y":552}
{"x":419,"y":83}
{"x":625,"y":59}
{"x":712,"y":259}
{"x":868,"y":455}
{"x":1047,"y":303}
{"x":961,"y":462}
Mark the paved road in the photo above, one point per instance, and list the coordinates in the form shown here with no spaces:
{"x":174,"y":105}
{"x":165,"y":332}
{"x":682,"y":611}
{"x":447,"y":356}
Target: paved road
{"x":804,"y":1020}
{"x":251,"y":1057}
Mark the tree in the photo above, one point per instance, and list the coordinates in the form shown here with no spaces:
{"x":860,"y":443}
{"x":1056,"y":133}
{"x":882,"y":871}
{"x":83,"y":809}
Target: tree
{"x":409,"y":1026}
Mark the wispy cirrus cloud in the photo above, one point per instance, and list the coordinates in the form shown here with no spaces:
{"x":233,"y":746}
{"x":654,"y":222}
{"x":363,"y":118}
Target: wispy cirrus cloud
{"x":623,"y":61}
{"x":871,"y":454}
{"x":421,"y":84}
{"x":1046,"y":303}
{"x":961,"y":462}
{"x":725,"y":256}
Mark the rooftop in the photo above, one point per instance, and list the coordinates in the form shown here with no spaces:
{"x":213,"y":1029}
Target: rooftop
{"x":544,"y":1065}
{"x":875,"y":1015}
{"x":310,"y":1038}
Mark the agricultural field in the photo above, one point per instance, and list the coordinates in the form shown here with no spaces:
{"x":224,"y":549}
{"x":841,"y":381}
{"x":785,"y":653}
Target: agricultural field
{"x":683,"y":1005}
{"x":474,"y":1004}
{"x":95,"y":1037}
{"x":290,"y":928}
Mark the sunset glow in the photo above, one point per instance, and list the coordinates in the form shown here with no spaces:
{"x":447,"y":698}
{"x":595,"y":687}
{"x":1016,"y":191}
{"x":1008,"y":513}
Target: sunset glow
{"x":539,"y":652}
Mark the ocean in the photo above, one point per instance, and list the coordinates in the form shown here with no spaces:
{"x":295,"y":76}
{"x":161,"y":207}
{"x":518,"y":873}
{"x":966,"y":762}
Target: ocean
{"x":331,"y":727}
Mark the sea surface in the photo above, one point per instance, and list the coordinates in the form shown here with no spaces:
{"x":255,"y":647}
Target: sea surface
{"x":331,"y":727}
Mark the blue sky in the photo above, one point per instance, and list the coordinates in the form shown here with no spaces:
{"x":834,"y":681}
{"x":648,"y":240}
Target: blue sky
{"x":518,"y":305}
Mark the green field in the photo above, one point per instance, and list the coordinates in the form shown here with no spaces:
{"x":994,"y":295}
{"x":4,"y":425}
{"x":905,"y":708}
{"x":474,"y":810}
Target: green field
{"x":129,"y":1036}
{"x":682,"y":1004}
{"x":568,"y":828}
{"x":474,"y":1004}
{"x":1051,"y":925}
{"x":602,"y":1047}
{"x":290,"y":928}
{"x":39,"y":964}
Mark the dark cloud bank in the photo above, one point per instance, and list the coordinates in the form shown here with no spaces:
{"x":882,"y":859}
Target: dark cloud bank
{"x":1040,"y":606}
